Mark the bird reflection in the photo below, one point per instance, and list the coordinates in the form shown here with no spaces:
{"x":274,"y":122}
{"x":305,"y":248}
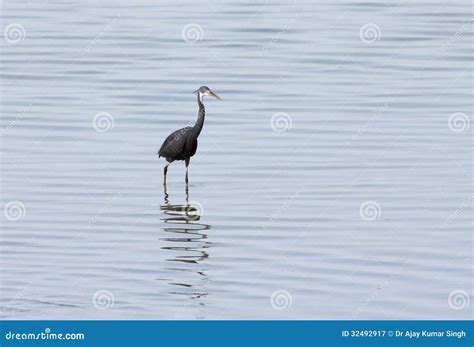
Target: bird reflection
{"x":186,"y":240}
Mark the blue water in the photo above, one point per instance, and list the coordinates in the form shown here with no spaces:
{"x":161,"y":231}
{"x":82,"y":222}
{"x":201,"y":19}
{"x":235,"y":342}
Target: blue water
{"x":333,"y":181}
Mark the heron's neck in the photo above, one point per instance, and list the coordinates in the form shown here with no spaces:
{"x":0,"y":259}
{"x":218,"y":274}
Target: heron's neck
{"x":200,"y":119}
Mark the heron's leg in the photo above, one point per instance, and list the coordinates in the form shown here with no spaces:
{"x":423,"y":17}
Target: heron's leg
{"x":187,"y":194}
{"x":165,"y":171}
{"x":187,"y":165}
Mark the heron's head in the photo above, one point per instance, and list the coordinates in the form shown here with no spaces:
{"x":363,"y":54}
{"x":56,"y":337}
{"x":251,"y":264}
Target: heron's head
{"x":205,"y":91}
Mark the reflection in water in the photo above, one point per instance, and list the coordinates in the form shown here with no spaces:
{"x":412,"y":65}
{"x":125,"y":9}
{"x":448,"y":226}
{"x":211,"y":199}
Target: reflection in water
{"x":188,"y":243}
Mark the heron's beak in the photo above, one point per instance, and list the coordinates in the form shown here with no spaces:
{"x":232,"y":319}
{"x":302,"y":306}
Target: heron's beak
{"x":214,"y":96}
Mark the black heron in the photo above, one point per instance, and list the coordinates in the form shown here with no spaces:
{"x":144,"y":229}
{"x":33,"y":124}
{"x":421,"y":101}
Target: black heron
{"x":182,"y":144}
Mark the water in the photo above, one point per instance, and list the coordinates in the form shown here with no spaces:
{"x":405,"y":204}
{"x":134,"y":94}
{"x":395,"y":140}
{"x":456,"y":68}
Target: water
{"x":354,"y":203}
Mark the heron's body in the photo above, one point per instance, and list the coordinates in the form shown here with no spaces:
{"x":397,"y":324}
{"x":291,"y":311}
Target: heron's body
{"x":182,"y":144}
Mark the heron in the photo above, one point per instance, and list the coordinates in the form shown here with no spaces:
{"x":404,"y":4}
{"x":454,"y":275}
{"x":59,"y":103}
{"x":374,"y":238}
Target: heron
{"x":182,"y":144}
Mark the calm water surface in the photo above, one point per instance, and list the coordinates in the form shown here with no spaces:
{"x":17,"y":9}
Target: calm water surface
{"x":329,"y":183}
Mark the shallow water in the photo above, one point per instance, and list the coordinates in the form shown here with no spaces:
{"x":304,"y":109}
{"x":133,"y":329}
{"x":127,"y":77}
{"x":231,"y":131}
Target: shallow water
{"x":329,"y":183}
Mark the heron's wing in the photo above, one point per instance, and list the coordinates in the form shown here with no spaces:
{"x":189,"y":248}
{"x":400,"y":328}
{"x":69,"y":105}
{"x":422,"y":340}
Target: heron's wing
{"x":174,"y":144}
{"x":192,"y":147}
